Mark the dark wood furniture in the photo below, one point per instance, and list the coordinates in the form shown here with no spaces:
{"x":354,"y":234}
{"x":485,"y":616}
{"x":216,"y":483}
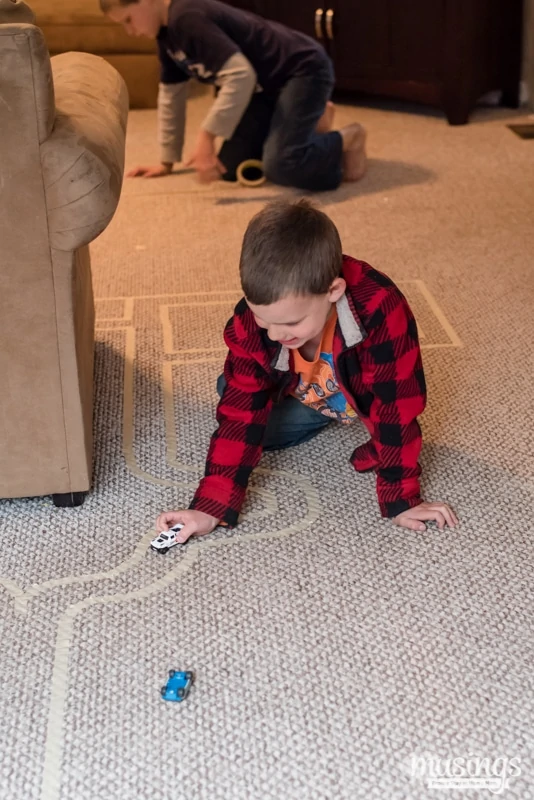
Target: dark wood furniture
{"x":444,"y":53}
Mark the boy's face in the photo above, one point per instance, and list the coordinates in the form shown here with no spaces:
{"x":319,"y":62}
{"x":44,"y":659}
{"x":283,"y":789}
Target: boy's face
{"x":297,"y":319}
{"x":144,"y":18}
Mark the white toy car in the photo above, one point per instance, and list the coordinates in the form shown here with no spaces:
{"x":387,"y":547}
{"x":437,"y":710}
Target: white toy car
{"x":166,"y":539}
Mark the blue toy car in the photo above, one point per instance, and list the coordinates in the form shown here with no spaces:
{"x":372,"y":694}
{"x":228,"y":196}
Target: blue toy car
{"x":178,"y":686}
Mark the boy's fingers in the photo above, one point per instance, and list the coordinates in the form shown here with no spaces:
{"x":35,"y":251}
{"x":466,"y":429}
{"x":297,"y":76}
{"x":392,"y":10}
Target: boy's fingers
{"x":136,"y":172}
{"x":161,"y":525}
{"x":445,"y":513}
{"x":412,"y":524}
{"x":449,"y":517}
{"x":431,"y":515}
{"x":168,"y":519}
{"x":437,"y":517}
{"x":440,"y":519}
{"x":209,"y":175}
{"x":187,"y":531}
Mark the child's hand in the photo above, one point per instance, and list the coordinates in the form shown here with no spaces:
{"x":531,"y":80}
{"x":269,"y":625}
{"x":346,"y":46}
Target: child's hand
{"x":415,"y":518}
{"x":195,"y":523}
{"x":155,"y":171}
{"x":208,"y":168}
{"x":204,"y":159}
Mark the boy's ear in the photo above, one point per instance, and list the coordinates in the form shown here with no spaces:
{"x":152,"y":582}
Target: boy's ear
{"x":337,"y":288}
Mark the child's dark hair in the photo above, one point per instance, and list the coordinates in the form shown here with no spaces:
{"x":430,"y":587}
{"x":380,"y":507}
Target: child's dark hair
{"x":107,"y":5}
{"x":289,"y":248}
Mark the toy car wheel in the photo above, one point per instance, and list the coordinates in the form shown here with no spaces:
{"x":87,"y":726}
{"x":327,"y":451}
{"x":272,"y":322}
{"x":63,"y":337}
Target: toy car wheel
{"x":172,"y":673}
{"x":189,"y":676}
{"x":180,"y":692}
{"x":163,"y":550}
{"x":163,"y":690}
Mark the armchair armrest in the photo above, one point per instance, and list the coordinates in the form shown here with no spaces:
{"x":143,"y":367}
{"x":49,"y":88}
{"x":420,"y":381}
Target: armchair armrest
{"x":83,"y":158}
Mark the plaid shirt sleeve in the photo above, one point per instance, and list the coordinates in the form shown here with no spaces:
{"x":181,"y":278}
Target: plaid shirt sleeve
{"x":236,"y":446}
{"x":392,"y":373}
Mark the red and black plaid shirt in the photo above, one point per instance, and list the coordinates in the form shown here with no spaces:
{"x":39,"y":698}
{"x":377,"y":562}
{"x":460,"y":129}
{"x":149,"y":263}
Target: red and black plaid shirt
{"x":378,"y":368}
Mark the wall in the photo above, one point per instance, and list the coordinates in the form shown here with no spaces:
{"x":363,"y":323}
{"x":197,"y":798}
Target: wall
{"x":528,"y":50}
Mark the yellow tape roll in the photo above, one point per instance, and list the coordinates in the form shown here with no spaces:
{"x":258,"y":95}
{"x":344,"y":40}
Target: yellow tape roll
{"x":252,"y":162}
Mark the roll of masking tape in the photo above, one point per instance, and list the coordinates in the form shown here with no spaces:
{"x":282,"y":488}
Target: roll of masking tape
{"x":255,"y":166}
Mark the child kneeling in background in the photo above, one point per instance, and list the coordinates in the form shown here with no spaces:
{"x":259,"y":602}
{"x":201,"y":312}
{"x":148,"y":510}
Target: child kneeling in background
{"x":273,"y":102}
{"x":319,"y":336}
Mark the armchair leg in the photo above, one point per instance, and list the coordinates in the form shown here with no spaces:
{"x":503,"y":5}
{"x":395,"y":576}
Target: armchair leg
{"x":69,"y":500}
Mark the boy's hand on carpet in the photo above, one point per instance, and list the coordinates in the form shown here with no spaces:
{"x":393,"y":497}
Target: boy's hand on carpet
{"x":204,"y":158}
{"x":414,"y":518}
{"x":195,"y":523}
{"x":208,"y":169}
{"x":154,"y":171}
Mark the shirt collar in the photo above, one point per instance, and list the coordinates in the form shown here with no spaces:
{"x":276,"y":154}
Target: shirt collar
{"x":351,"y":331}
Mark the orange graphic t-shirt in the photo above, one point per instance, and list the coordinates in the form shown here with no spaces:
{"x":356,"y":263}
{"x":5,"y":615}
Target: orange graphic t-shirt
{"x":317,"y":386}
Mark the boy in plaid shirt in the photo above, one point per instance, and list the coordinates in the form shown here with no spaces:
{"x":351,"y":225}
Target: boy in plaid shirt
{"x":319,"y":336}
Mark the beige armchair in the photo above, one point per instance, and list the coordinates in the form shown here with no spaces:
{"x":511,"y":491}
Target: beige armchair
{"x":62,"y":133}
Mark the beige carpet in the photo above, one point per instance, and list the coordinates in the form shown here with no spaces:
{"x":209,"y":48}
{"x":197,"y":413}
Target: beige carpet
{"x":330,"y":649}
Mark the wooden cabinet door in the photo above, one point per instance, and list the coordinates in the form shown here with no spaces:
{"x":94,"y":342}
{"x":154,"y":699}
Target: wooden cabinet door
{"x":302,"y":15}
{"x":358,"y":37}
{"x":417,"y":38}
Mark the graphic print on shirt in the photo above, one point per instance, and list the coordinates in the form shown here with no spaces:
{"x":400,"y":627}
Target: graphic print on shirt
{"x":321,"y":391}
{"x":192,"y":70}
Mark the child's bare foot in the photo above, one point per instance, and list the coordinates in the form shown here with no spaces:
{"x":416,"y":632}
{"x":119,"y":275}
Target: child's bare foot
{"x":327,"y":120}
{"x":354,"y":156}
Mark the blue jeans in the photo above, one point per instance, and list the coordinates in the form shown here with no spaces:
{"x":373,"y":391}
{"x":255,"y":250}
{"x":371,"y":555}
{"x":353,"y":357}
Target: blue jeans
{"x":294,"y":154}
{"x":280,"y":130}
{"x":290,"y":422}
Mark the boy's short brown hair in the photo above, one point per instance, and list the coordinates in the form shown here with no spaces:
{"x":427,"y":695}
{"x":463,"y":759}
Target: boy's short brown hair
{"x":289,"y":248}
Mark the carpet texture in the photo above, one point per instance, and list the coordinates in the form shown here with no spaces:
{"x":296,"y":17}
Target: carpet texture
{"x":330,"y":648}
